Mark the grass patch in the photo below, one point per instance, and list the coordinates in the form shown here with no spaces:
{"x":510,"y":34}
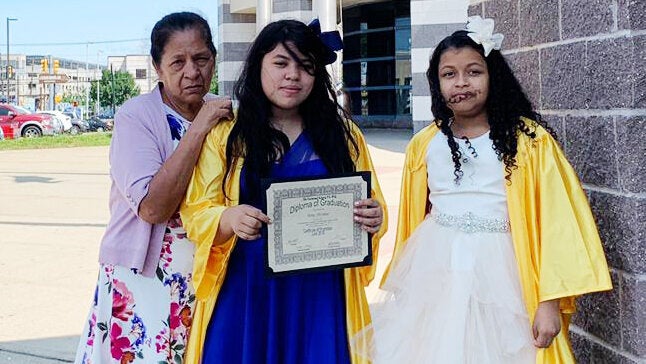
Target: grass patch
{"x":58,"y":141}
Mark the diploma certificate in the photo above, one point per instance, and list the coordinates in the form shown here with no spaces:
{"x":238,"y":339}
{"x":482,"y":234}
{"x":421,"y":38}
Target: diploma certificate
{"x":313,"y":223}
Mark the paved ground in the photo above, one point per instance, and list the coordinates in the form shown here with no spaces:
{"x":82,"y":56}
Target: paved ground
{"x":53,"y":210}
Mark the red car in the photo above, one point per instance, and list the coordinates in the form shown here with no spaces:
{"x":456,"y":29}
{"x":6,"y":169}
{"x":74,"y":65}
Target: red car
{"x":16,"y":121}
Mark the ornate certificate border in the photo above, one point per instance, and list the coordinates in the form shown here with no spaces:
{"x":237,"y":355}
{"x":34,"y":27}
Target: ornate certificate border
{"x":312,"y":223}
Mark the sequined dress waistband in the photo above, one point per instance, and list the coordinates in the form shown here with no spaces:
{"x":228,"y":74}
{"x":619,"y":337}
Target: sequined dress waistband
{"x":471,"y":223}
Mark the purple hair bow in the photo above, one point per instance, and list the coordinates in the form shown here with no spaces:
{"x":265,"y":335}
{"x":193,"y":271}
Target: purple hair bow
{"x":332,"y":40}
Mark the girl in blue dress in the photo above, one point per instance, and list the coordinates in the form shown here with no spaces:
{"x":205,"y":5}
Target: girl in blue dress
{"x":289,"y":124}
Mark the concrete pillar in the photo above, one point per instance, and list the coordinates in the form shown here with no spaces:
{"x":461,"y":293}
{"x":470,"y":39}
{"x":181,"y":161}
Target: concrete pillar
{"x":236,"y":30}
{"x":263,"y":13}
{"x":431,"y":21}
{"x":325,"y":10}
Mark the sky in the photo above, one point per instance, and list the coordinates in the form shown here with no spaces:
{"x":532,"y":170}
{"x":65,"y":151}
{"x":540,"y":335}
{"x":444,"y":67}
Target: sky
{"x":87,"y":30}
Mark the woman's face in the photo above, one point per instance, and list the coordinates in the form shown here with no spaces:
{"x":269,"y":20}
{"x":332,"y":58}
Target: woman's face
{"x":464,"y":81}
{"x":285,"y":82}
{"x":186,"y":69}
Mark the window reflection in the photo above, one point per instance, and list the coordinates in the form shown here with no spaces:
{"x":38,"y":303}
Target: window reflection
{"x":377,"y":67}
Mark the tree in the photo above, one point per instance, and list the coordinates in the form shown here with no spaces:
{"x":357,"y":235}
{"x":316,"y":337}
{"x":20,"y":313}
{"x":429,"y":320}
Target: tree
{"x":72,"y":97}
{"x":214,"y":85}
{"x":124,"y":88}
{"x":214,"y":82}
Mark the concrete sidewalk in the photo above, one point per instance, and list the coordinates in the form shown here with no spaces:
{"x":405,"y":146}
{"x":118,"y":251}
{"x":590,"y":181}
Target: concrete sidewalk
{"x":53,"y":210}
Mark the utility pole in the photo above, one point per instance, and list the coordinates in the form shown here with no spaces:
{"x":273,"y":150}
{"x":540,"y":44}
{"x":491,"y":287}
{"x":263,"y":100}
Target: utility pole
{"x":7,"y":65}
{"x":87,"y":87}
{"x":7,"y":68}
{"x":52,"y":87}
{"x":16,"y":74}
{"x":112,"y":83}
{"x":98,"y":83}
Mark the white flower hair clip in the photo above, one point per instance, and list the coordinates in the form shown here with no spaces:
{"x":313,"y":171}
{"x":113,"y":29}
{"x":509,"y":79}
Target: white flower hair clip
{"x":481,"y":31}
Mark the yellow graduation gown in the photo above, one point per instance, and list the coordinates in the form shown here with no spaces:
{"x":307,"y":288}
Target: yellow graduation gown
{"x":557,"y":246}
{"x":201,"y":212}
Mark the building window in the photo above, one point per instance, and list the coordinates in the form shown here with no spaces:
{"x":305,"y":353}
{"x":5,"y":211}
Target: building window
{"x":140,"y":73}
{"x":376,"y":60}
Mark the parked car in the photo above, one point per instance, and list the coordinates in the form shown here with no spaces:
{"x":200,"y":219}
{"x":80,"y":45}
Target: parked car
{"x":1,"y":134}
{"x":108,"y":118}
{"x":16,"y":121}
{"x":96,"y":124}
{"x":65,"y":119}
{"x":78,"y":125}
{"x":57,"y":124}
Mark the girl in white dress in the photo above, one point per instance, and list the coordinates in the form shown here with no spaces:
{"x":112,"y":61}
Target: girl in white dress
{"x":478,"y":274}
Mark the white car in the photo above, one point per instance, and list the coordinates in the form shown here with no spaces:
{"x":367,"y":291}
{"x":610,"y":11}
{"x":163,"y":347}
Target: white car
{"x":66,"y":120}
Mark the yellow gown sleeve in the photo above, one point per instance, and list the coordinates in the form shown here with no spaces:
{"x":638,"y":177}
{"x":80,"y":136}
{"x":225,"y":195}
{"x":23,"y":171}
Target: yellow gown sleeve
{"x":555,"y":238}
{"x":413,"y":195}
{"x":364,"y":163}
{"x":357,"y":311}
{"x":571,"y":260}
{"x":201,"y":211}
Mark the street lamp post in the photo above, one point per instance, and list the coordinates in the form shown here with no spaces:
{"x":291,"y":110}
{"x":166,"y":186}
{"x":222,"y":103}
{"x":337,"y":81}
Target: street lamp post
{"x":98,"y":83}
{"x":7,"y":68}
{"x":87,"y":88}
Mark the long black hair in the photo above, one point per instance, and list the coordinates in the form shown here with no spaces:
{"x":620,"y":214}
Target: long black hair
{"x":506,"y":104}
{"x":253,"y":138}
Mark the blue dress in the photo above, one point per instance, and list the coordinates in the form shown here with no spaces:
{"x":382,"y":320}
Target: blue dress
{"x":298,"y":318}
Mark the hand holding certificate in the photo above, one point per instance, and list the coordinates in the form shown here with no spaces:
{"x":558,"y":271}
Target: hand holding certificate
{"x":314,"y":224}
{"x":244,"y":221}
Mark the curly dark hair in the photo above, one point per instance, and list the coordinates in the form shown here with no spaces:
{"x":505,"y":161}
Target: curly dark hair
{"x":506,"y":104}
{"x":324,"y":120}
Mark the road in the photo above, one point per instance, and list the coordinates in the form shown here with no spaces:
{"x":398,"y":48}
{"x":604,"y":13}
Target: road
{"x":53,"y":211}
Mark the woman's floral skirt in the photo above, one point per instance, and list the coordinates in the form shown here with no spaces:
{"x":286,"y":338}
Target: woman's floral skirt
{"x":143,"y":319}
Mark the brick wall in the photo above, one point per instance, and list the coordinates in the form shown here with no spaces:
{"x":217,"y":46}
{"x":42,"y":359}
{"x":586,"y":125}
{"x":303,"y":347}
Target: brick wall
{"x":582,"y":63}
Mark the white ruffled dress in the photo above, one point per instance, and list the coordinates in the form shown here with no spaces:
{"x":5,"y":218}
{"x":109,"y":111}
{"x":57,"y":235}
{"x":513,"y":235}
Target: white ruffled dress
{"x":454,"y":295}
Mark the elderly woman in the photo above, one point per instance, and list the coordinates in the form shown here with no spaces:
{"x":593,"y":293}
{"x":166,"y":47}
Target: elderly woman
{"x":143,"y":303}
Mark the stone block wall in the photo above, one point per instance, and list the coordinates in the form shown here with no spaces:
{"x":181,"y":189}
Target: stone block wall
{"x":431,"y":21}
{"x":237,"y":32}
{"x":583,"y":65}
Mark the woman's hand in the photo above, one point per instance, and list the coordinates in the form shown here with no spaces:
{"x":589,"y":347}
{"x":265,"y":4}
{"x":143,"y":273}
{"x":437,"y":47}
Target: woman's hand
{"x":547,"y":323}
{"x":212,"y":112}
{"x":369,"y":214}
{"x":244,"y":221}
